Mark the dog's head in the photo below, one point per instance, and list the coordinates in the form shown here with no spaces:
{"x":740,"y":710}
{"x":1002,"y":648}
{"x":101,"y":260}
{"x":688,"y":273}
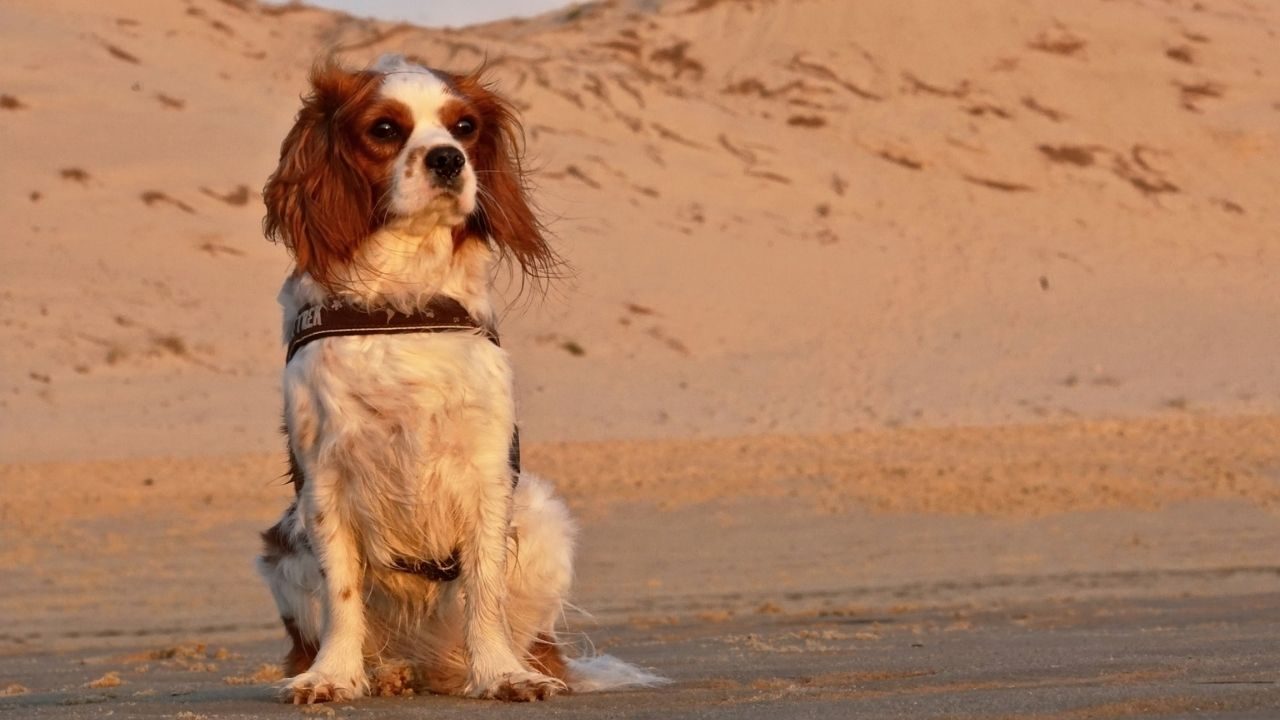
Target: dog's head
{"x":401,"y":145}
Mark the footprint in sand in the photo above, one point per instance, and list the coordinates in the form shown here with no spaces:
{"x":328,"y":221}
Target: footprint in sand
{"x":994,"y":184}
{"x":574,"y":172}
{"x":569,"y":345}
{"x":1037,"y":107}
{"x":212,"y":22}
{"x":985,"y":109}
{"x":816,"y":70}
{"x":668,"y":134}
{"x":170,"y":102}
{"x":1078,"y":155}
{"x":674,"y":344}
{"x":901,"y":158}
{"x":677,"y":56}
{"x":917,"y":86}
{"x":1058,"y":41}
{"x":1181,"y":53}
{"x":120,"y":54}
{"x":1227,"y":206}
{"x":152,"y":197}
{"x":74,"y":174}
{"x":1192,"y":94}
{"x":215,"y":248}
{"x":1135,"y":167}
{"x":807,"y":121}
{"x":237,"y":198}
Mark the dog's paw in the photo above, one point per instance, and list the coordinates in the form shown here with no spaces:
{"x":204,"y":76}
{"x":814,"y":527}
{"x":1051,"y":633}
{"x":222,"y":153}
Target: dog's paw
{"x":523,"y":686}
{"x":317,"y":687}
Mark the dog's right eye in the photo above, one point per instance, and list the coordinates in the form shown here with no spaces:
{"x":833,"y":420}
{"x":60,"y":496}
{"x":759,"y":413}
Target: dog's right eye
{"x":384,"y":130}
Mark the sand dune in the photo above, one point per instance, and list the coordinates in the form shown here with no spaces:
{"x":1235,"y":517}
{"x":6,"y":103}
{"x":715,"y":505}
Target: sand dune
{"x":783,"y":217}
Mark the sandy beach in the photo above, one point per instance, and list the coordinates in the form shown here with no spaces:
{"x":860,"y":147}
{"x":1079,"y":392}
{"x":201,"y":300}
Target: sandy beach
{"x":917,"y":360}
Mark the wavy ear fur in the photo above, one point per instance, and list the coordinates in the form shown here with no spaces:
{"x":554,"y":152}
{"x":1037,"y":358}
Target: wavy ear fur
{"x":504,"y":213}
{"x":318,"y":202}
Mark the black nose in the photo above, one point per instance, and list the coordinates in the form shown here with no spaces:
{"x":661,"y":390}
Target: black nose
{"x":446,"y":161}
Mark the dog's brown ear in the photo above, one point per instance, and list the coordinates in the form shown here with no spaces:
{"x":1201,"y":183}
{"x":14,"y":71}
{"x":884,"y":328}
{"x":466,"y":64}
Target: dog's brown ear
{"x":505,"y":213}
{"x":318,"y":202}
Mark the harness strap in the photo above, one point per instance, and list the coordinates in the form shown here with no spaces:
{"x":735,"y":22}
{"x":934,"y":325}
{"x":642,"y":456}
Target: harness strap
{"x":436,"y":570}
{"x":442,"y":314}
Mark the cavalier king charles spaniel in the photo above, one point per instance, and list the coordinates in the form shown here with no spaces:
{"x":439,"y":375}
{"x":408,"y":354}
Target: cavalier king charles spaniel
{"x":414,"y":545}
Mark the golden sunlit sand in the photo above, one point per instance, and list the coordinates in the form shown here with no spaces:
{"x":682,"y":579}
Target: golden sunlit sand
{"x":905,"y":345}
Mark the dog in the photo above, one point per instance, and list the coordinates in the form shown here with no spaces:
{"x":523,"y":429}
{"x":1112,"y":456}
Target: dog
{"x":414,"y":544}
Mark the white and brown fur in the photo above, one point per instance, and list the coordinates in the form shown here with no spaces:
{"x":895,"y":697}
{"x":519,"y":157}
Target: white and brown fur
{"x":399,"y":443}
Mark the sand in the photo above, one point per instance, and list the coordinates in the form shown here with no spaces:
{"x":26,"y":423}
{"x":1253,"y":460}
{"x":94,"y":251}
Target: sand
{"x":876,"y":309}
{"x":788,"y":576}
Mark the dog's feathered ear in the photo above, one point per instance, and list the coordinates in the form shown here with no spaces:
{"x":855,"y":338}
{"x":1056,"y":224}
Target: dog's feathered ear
{"x":318,"y":202}
{"x":504,"y":212}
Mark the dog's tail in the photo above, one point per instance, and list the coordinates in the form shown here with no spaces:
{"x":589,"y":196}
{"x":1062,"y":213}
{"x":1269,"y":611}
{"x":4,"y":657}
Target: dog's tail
{"x":606,"y":672}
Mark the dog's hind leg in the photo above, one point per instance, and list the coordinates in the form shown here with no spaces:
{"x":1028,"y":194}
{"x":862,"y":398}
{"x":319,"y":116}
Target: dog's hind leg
{"x":293,"y":575}
{"x":539,"y":572}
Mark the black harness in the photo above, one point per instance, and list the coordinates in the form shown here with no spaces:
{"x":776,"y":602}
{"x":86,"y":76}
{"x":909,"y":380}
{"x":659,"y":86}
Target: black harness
{"x":441,"y":314}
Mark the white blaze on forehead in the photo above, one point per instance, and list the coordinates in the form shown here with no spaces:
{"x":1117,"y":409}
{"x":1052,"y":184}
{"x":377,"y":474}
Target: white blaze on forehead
{"x":420,"y":90}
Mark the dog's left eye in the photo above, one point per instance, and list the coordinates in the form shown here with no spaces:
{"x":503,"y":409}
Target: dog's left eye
{"x":464,"y":127}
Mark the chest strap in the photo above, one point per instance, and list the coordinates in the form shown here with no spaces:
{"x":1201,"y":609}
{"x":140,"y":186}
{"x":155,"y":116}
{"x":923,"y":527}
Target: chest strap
{"x":442,"y":314}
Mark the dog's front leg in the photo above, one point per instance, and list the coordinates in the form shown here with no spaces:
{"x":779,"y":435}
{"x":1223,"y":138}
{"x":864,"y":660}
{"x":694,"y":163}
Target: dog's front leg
{"x":495,"y":670}
{"x":338,"y":672}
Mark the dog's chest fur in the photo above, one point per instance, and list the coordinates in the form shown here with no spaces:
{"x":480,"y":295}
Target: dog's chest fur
{"x":382,"y":425}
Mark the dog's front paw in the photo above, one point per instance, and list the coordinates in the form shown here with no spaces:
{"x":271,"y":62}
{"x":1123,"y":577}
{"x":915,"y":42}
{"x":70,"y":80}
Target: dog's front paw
{"x":522,"y":686}
{"x":315,"y":686}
